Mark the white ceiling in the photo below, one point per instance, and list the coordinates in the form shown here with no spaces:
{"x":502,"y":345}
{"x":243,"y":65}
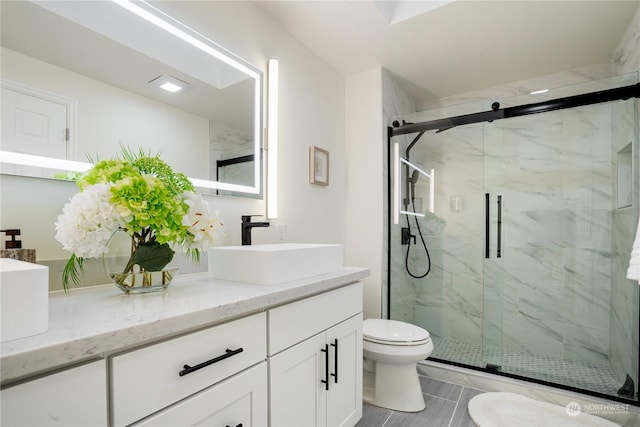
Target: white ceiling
{"x":459,"y":46}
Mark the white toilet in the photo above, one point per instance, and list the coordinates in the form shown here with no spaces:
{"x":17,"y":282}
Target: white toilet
{"x":391,"y":351}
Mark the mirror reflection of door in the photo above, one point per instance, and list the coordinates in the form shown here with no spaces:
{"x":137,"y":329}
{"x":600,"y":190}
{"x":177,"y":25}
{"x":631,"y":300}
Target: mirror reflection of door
{"x":33,"y":125}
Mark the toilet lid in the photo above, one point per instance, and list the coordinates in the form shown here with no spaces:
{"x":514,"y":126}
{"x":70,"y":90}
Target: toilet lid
{"x":393,"y":331}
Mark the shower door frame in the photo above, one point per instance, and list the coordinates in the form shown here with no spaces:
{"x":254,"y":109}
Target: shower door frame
{"x":621,"y":93}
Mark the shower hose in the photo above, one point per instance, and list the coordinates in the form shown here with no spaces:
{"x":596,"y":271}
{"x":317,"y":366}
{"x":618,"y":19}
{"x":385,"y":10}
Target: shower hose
{"x":424,"y":245}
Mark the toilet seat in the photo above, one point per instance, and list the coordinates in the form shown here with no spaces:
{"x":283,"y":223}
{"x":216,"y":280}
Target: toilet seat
{"x":393,"y":332}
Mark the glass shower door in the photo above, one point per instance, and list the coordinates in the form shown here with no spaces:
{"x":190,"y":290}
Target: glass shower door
{"x":553,"y":283}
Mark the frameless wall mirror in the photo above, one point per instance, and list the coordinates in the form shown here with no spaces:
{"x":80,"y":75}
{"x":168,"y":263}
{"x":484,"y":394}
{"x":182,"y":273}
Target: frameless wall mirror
{"x":82,"y":79}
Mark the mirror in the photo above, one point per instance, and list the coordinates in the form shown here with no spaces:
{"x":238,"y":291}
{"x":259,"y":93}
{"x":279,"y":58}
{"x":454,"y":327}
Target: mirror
{"x":82,"y":79}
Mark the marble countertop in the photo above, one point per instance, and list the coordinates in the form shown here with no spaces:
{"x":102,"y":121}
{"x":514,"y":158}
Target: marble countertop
{"x":94,"y":321}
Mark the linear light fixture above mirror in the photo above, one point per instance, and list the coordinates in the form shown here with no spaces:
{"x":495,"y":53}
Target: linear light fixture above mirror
{"x":272,"y":139}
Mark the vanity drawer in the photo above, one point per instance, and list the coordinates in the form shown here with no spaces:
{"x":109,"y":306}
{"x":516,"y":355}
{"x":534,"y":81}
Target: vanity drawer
{"x":147,"y":380}
{"x":295,"y":322}
{"x":73,"y":397}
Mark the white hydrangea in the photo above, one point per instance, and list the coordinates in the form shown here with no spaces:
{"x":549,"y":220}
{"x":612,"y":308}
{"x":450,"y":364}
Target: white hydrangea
{"x":88,"y":221}
{"x":205,"y":228}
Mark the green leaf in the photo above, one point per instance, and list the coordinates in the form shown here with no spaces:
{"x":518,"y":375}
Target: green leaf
{"x":152,"y":256}
{"x":72,"y":270}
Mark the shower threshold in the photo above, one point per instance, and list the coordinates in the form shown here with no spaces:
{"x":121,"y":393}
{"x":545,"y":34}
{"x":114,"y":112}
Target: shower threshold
{"x":594,"y":377}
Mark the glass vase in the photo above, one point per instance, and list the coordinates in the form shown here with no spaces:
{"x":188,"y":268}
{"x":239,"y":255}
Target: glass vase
{"x":130,"y":277}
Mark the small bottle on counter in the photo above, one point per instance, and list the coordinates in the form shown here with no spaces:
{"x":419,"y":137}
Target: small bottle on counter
{"x":13,"y":248}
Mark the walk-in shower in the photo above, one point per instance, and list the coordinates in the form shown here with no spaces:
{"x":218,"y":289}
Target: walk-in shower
{"x":528,"y":212}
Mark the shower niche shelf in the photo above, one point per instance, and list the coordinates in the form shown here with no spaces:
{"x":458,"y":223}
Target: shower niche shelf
{"x":625,"y":177}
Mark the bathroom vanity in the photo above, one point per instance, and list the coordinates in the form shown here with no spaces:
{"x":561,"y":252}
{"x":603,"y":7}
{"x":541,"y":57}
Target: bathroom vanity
{"x":205,"y":350}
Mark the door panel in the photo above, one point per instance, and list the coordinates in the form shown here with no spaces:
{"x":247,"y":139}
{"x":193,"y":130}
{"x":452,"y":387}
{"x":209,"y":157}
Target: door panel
{"x":344,"y":399}
{"x":297,"y":395}
{"x":32,"y":125}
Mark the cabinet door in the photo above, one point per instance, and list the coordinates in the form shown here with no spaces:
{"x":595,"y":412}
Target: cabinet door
{"x":75,"y":397}
{"x":298,"y":396}
{"x":240,"y":400}
{"x":344,"y":399}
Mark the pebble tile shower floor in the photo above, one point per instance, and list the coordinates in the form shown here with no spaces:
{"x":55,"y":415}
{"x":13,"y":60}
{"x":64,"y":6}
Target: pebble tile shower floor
{"x":446,"y":407}
{"x":584,"y":375}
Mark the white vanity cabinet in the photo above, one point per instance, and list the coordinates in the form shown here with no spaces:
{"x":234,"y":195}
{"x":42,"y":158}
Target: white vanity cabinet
{"x":239,"y":401}
{"x":73,"y":397}
{"x":153,"y":378}
{"x":315,"y":360}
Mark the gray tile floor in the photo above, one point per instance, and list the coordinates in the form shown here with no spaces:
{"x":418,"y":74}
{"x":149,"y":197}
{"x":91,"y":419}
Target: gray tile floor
{"x":446,"y":407}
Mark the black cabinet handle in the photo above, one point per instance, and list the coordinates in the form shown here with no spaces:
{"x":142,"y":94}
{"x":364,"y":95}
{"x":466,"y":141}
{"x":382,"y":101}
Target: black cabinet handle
{"x":335,"y":360}
{"x":487,"y":209}
{"x":325,"y":381}
{"x":499,"y":226}
{"x":239,"y":425}
{"x":228,"y":353}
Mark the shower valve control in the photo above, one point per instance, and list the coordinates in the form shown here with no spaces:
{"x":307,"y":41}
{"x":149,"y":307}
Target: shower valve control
{"x":407,"y":236}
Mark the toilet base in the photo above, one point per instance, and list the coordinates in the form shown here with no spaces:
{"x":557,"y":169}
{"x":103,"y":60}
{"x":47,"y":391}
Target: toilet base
{"x":396,"y":387}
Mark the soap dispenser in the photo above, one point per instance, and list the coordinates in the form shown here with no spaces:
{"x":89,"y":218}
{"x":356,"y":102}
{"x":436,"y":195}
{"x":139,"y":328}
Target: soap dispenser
{"x":13,"y":248}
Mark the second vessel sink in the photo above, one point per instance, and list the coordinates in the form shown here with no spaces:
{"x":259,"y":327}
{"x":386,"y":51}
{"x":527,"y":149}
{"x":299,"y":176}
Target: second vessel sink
{"x":273,"y":264}
{"x":24,"y":299}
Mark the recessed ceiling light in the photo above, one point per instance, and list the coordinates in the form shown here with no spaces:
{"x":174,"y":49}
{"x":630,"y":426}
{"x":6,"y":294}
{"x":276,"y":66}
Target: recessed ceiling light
{"x":170,"y":83}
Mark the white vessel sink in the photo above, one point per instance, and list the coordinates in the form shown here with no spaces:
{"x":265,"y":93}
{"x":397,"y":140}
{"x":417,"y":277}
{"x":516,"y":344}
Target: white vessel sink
{"x":273,"y":264}
{"x":24,"y":299}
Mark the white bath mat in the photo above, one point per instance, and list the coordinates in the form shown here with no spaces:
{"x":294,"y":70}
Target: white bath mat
{"x":501,"y":409}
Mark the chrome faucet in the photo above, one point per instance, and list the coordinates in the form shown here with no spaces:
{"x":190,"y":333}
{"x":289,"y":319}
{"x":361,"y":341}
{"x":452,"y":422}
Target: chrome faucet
{"x":247,"y":225}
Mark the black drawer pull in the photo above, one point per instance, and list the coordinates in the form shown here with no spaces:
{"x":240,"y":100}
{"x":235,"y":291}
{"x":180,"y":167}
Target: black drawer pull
{"x":189,"y":369}
{"x":239,"y":425}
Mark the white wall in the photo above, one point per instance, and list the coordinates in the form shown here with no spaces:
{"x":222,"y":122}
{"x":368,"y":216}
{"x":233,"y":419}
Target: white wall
{"x":365,"y":186}
{"x":107,"y":116}
{"x":312,"y":112}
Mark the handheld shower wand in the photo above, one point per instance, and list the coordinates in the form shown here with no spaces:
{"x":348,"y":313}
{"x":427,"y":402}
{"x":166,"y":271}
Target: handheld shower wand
{"x":412,"y":184}
{"x":412,"y":181}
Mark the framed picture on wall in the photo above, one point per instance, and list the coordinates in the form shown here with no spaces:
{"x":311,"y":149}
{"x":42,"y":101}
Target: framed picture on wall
{"x":318,"y":166}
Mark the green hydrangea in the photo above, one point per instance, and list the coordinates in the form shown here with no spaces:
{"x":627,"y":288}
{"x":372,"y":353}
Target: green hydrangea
{"x":106,"y":171}
{"x":144,"y":202}
{"x":175,"y":182}
{"x":145,"y":192}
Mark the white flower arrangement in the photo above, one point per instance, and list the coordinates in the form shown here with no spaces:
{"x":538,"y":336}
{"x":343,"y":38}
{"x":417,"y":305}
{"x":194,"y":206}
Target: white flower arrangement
{"x":144,"y":197}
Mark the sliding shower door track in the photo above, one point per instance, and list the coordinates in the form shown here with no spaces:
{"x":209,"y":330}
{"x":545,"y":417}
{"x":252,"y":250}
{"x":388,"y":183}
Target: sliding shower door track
{"x":497,"y":113}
